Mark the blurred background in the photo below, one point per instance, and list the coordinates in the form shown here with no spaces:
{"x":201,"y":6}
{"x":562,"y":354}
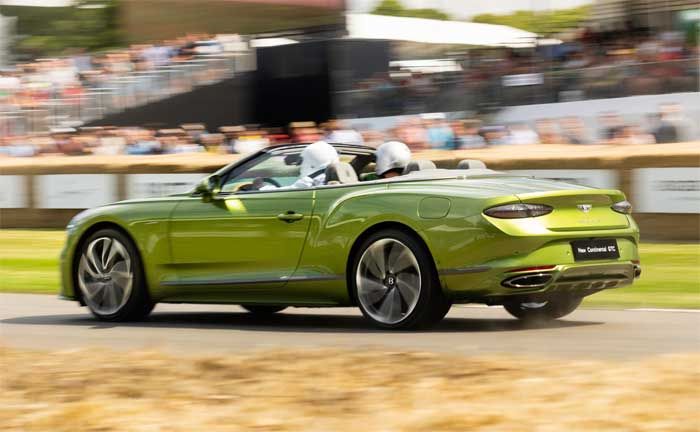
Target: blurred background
{"x":124,"y":76}
{"x":599,"y":92}
{"x":104,"y":100}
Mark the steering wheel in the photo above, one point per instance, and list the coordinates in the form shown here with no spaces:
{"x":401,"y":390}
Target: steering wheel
{"x":269,"y":180}
{"x":257,"y":184}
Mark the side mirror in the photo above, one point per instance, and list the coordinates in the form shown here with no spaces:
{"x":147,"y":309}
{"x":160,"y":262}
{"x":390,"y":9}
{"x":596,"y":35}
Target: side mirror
{"x":209,"y":187}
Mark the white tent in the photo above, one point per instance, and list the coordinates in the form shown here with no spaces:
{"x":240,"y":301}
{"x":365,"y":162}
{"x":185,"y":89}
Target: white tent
{"x":271,"y":42}
{"x":366,"y":26}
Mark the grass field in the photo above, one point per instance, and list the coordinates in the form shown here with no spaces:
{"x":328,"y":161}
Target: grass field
{"x":670,"y":277}
{"x":342,"y":390}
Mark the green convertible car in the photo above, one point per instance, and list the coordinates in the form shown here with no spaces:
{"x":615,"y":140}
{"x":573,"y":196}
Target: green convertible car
{"x":402,"y":249}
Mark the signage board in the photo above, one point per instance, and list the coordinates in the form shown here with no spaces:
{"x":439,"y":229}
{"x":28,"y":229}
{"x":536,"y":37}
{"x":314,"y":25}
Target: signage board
{"x":156,"y":185}
{"x":74,"y":191}
{"x":666,"y":190}
{"x":13,"y":192}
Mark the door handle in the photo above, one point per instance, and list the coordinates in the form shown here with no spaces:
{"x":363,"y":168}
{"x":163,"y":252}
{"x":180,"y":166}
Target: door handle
{"x":290,"y":216}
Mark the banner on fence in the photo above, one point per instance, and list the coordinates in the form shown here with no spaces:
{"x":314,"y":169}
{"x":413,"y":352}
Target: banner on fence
{"x":666,"y":190}
{"x":74,"y":191}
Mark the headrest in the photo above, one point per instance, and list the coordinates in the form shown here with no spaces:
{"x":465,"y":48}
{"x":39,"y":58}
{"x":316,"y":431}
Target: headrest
{"x":471,"y":164}
{"x":418,"y":165}
{"x":340,"y":172}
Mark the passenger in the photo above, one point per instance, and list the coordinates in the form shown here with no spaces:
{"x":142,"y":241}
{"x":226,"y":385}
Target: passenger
{"x":391,"y":157}
{"x":315,"y":158}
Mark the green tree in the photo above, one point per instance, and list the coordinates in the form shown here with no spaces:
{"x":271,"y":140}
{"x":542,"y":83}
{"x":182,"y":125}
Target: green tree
{"x":540,"y":22}
{"x":89,"y":25}
{"x":395,"y":8}
{"x":389,"y":7}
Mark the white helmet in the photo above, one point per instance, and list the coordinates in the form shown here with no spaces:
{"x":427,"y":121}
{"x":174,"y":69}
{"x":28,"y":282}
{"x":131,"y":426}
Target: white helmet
{"x":317,"y":156}
{"x":392,"y":155}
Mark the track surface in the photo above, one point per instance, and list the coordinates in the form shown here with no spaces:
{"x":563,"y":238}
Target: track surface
{"x":44,"y":322}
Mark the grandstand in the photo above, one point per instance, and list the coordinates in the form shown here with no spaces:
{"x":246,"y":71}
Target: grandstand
{"x":306,"y":60}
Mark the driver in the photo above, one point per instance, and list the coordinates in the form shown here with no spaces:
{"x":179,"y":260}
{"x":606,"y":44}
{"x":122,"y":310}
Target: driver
{"x":315,"y":158}
{"x":392,"y":157}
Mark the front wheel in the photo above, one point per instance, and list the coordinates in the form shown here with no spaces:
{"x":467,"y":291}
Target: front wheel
{"x":545,"y":310}
{"x":110,"y":277}
{"x":395,"y":283}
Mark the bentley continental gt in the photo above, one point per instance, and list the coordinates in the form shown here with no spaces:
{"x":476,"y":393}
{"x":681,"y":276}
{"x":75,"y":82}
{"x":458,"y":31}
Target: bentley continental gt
{"x":402,"y":250}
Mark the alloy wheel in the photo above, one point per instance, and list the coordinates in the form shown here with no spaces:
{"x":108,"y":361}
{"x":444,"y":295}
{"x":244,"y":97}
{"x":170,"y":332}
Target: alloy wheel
{"x":105,"y":275}
{"x":388,"y":281}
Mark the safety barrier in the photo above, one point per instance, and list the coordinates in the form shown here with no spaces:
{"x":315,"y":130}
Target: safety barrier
{"x":662,"y":181}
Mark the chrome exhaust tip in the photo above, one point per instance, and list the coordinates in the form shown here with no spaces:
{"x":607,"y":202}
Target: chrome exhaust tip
{"x":536,"y":280}
{"x":637,"y":271}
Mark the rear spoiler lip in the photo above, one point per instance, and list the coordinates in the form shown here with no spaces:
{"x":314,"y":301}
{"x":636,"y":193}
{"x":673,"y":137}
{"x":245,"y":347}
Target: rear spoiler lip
{"x":570,"y":193}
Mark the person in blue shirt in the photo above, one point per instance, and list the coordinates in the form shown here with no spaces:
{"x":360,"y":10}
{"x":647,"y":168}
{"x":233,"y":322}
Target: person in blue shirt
{"x":440,"y":134}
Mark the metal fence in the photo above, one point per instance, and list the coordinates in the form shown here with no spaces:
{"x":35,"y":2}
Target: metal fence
{"x":443,"y":93}
{"x":112,"y":94}
{"x":448,"y":92}
{"x":602,"y":82}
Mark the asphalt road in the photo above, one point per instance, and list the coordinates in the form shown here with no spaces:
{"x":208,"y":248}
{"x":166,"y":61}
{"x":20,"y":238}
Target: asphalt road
{"x":44,"y":322}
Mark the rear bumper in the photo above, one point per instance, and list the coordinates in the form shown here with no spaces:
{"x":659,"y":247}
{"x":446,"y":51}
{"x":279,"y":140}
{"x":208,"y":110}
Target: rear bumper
{"x":552,"y":270}
{"x":572,"y":279}
{"x":583,"y":279}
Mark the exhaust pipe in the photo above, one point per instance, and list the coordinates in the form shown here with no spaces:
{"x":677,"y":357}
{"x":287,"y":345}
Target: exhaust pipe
{"x":537,"y":280}
{"x":637,"y":271}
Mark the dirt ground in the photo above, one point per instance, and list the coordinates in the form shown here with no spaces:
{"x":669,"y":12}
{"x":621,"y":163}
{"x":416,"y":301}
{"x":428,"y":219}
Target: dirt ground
{"x":336,"y":390}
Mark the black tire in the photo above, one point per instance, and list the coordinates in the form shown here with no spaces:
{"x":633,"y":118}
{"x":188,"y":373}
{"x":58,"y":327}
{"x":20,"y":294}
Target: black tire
{"x":554,"y":308}
{"x":263,"y":309}
{"x":138,"y":305}
{"x":432,"y":304}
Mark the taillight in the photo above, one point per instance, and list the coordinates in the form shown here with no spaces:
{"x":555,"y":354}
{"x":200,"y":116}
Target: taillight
{"x":517,"y":211}
{"x":623,"y":207}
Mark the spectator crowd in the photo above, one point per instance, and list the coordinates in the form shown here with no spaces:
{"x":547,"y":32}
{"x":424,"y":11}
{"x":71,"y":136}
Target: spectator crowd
{"x":591,"y":64}
{"x":93,"y":84}
{"x":32,"y":82}
{"x":423,"y":132}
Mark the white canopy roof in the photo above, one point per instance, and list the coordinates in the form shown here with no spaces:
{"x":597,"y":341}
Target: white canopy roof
{"x":270,"y":42}
{"x":366,"y":26}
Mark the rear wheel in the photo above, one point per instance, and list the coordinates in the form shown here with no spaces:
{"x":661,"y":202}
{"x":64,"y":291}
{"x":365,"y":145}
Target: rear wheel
{"x":544,"y":310}
{"x":263,"y":309}
{"x":110,"y":277}
{"x":395,"y":284}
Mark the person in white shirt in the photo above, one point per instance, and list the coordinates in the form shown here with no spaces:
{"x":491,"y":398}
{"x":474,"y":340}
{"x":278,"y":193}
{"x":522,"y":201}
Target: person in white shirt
{"x":340,"y":135}
{"x":521,"y":134}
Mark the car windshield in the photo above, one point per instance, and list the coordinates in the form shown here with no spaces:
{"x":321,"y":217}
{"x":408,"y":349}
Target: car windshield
{"x":272,"y":169}
{"x":282,"y":169}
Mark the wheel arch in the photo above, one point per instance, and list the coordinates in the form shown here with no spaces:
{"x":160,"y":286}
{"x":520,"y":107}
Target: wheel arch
{"x":374,"y":229}
{"x":79,"y":246}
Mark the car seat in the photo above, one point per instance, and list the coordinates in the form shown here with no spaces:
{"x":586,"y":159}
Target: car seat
{"x":418,"y":165}
{"x":471,"y":164}
{"x":340,"y":173}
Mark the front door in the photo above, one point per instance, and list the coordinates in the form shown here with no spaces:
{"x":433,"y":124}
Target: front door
{"x":248,"y":239}
{"x":251,"y":235}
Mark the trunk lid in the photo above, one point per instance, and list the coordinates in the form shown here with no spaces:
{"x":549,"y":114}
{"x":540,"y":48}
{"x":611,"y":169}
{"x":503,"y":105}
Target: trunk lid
{"x":576,"y":210}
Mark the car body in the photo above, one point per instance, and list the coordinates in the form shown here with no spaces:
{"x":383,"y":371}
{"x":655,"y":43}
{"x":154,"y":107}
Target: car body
{"x":267,"y":249}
